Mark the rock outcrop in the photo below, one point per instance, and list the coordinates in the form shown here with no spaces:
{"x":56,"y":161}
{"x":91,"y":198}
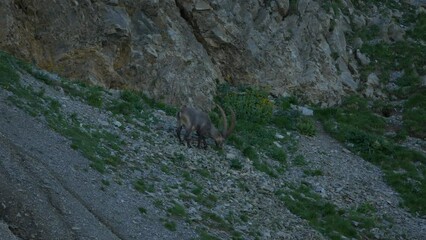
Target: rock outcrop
{"x":145,"y":45}
{"x":178,"y":51}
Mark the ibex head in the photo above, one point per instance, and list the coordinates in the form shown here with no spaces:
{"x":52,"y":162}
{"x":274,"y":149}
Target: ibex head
{"x":220,"y":138}
{"x":194,"y":119}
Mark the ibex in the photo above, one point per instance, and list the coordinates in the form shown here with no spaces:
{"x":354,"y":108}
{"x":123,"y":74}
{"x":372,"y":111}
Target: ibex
{"x":194,"y":119}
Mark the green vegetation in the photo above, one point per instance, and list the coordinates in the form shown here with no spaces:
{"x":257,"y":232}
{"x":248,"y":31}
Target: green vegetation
{"x":357,"y":124}
{"x":100,"y":146}
{"x":105,"y":182}
{"x":142,"y":210}
{"x":203,"y":235}
{"x":293,"y":7}
{"x":8,"y":76}
{"x":142,"y":186}
{"x":311,"y":172}
{"x":362,"y":132}
{"x":391,"y":4}
{"x":133,"y":103}
{"x":236,"y":164}
{"x":419,"y":30}
{"x":399,"y":56}
{"x":335,"y":5}
{"x":97,"y":145}
{"x":216,"y":222}
{"x":248,"y":103}
{"x":177,"y":210}
{"x":259,"y":120}
{"x":299,"y":161}
{"x":414,"y":115}
{"x":170,"y":225}
{"x":306,"y":126}
{"x":326,"y":217}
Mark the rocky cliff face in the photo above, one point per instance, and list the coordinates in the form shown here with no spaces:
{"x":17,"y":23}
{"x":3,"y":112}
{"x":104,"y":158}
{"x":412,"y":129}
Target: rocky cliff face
{"x":177,"y":51}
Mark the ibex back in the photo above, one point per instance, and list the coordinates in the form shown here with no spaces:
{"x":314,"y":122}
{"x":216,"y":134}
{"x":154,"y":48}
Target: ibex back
{"x":193,"y":119}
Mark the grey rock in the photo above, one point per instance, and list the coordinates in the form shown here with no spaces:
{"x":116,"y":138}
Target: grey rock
{"x":357,"y":43}
{"x":346,"y":76}
{"x":423,"y":80}
{"x":103,"y":122}
{"x":202,"y":5}
{"x":5,"y":232}
{"x":117,"y":123}
{"x":178,"y":51}
{"x":395,"y":32}
{"x":305,"y":111}
{"x":373,"y":80}
{"x":364,"y":60}
{"x":231,"y":156}
{"x":279,"y":136}
{"x":358,"y":20}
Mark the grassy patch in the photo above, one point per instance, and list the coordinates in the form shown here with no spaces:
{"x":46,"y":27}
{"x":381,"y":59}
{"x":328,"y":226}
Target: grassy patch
{"x":170,"y":225}
{"x":208,"y":201}
{"x":236,"y":164}
{"x":142,"y":186}
{"x":217,"y":222}
{"x":105,"y":182}
{"x":362,"y":132}
{"x":315,"y":172}
{"x":419,"y":30}
{"x":299,"y":161}
{"x":336,"y":6}
{"x":133,"y":102}
{"x":306,"y":126}
{"x":399,"y":56}
{"x":177,"y":210}
{"x":293,"y":7}
{"x":8,"y":75}
{"x":97,"y":145}
{"x":327,"y":218}
{"x":142,"y":210}
{"x":414,"y":114}
{"x":130,"y":103}
{"x":204,"y":235}
{"x":354,"y":112}
{"x":258,"y":121}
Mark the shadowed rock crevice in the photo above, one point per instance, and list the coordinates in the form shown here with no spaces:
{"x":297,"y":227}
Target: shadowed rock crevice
{"x":186,"y":14}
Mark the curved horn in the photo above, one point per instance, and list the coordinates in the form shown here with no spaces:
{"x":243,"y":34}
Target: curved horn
{"x":225,"y":122}
{"x":231,"y":128}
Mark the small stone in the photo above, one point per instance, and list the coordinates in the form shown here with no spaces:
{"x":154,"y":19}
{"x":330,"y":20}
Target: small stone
{"x":364,"y":60}
{"x":230,"y":156}
{"x":266,"y":233}
{"x":345,"y":150}
{"x":306,"y":111}
{"x":320,"y":190}
{"x":279,"y":136}
{"x":102,"y":122}
{"x":277,"y":144}
{"x":378,"y":234}
{"x":266,"y":187}
{"x":423,"y":80}
{"x":117,"y":123}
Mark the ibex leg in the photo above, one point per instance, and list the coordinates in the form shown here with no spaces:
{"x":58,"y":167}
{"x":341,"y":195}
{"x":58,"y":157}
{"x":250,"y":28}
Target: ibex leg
{"x":178,"y":131}
{"x":187,"y":136}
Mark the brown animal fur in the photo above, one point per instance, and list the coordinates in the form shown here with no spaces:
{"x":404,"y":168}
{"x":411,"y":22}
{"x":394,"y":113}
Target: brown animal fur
{"x":193,"y":119}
